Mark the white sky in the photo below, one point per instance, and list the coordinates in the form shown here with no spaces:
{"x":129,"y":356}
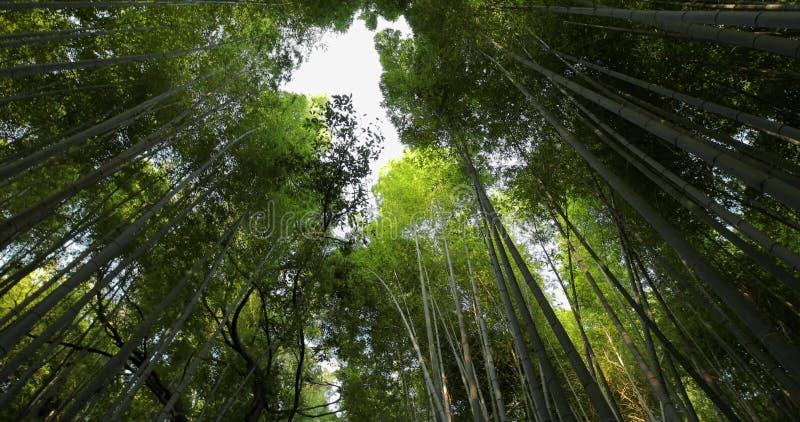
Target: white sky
{"x":347,"y":63}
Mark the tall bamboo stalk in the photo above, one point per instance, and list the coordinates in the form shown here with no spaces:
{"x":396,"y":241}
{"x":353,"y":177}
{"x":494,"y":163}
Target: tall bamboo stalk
{"x":726,"y":161}
{"x":11,"y":335}
{"x":487,"y":350}
{"x":472,"y":380}
{"x":777,"y":129}
{"x":35,"y":69}
{"x":765,"y":331}
{"x":516,"y":331}
{"x":434,"y":359}
{"x":696,"y":28}
{"x":589,"y":384}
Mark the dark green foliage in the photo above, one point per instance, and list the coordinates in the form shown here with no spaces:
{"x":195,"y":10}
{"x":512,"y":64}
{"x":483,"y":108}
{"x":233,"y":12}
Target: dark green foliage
{"x":181,"y":240}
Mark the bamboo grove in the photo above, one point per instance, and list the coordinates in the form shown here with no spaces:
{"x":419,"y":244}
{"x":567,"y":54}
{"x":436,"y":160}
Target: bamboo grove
{"x":597,"y":216}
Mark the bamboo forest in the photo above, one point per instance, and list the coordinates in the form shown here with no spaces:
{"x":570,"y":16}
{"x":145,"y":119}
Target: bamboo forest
{"x":595,"y":215}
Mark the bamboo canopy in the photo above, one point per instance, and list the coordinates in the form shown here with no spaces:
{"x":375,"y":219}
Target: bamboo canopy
{"x":597,"y":216}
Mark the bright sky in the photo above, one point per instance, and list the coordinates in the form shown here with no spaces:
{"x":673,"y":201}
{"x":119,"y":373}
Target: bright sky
{"x":348,"y":64}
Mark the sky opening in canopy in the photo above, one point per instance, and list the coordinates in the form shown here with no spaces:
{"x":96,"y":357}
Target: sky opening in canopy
{"x":347,"y":63}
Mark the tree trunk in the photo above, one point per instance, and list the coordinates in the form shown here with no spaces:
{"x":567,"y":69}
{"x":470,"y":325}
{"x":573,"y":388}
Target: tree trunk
{"x":764,"y":330}
{"x":731,"y":6}
{"x":697,"y":197}
{"x":701,"y":32}
{"x":516,"y":331}
{"x":145,"y":368}
{"x":753,"y":177}
{"x":487,"y":350}
{"x":457,"y":354}
{"x":197,"y":359}
{"x":12,"y":334}
{"x":105,"y":126}
{"x":73,"y":35}
{"x":591,"y":360}
{"x":472,"y":380}
{"x":655,"y":382}
{"x":590,"y":385}
{"x":773,"y":128}
{"x":628,"y":30}
{"x":142,"y":330}
{"x":434,"y":360}
{"x":446,"y":398}
{"x":18,"y":359}
{"x":432,"y":392}
{"x":34,"y":69}
{"x":32,"y":215}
